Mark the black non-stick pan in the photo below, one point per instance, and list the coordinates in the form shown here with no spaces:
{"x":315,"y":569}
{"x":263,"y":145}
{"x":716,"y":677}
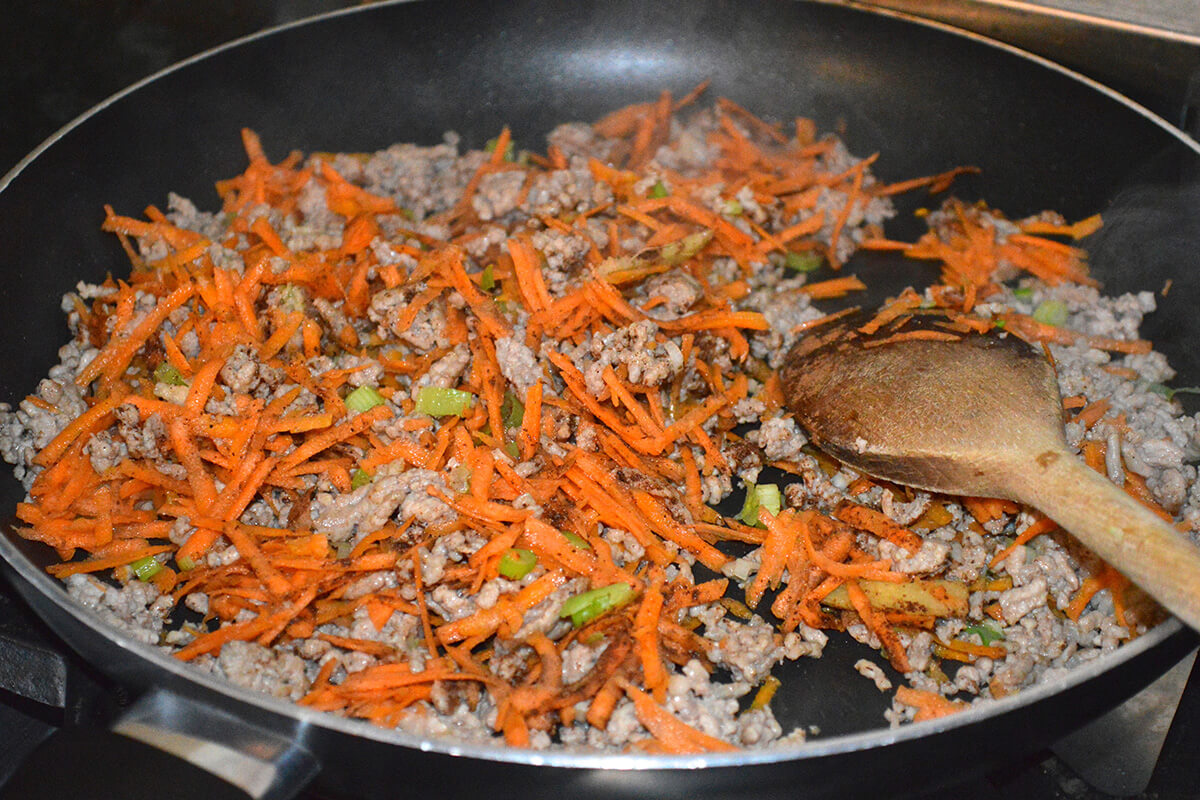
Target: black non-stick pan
{"x":926,"y":98}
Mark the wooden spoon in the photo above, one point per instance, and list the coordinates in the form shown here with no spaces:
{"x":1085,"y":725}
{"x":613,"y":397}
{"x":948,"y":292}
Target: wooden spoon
{"x":980,"y":416}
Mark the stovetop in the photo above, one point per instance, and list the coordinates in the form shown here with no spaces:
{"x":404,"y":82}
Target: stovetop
{"x":57,"y":59}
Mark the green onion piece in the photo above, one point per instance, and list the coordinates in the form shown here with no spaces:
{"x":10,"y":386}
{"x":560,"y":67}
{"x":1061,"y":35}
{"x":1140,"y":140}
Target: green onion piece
{"x":460,"y":479}
{"x":999,"y":323}
{"x":1169,"y":392}
{"x":765,"y":496}
{"x":733,"y":207}
{"x":513,"y":451}
{"x":360,"y":478}
{"x":487,"y":280}
{"x":679,"y":251}
{"x":659,"y":189}
{"x":808,"y":261}
{"x":512,"y":410}
{"x":770,"y":497}
{"x":583,"y":608}
{"x":344,"y":549}
{"x":291,"y":297}
{"x":1051,"y":312}
{"x":146,"y":568}
{"x":616,"y":264}
{"x":576,"y":540}
{"x":509,"y":152}
{"x":516,"y":563}
{"x":986,"y":633}
{"x":749,"y":512}
{"x":1023,"y":292}
{"x":762,"y":698}
{"x":166,"y":373}
{"x":437,"y":401}
{"x":364,"y":398}
{"x":185,"y":563}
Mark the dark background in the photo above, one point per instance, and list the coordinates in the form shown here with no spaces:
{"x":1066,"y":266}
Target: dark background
{"x":58,"y":58}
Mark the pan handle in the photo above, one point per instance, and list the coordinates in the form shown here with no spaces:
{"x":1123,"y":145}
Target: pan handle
{"x":165,"y":746}
{"x":91,"y":762}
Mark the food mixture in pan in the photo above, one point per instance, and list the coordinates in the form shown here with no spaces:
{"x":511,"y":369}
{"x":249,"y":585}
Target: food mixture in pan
{"x":434,"y":438}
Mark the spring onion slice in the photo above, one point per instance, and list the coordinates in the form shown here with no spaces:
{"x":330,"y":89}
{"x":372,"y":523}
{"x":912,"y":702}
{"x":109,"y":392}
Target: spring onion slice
{"x":437,"y":401}
{"x":512,"y":410}
{"x":585,"y":607}
{"x":986,"y":633}
{"x":516,"y":563}
{"x":808,"y":261}
{"x":762,"y":496}
{"x":509,"y":152}
{"x":576,"y":540}
{"x":168,"y":374}
{"x":291,"y":297}
{"x":364,"y":398}
{"x":1051,"y":312}
{"x":1169,"y":392}
{"x":359,"y":478}
{"x":146,"y":568}
{"x":679,"y":251}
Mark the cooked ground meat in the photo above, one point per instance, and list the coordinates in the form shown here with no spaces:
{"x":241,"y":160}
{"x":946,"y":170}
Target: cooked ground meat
{"x":423,"y":180}
{"x":366,"y":509}
{"x":875,"y":673}
{"x":136,"y":607}
{"x":263,"y":669}
{"x":498,"y":194}
{"x":780,"y":439}
{"x":573,"y":189}
{"x":518,"y":364}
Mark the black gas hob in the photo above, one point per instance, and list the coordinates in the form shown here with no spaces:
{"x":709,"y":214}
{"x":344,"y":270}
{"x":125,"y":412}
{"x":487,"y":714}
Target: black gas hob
{"x":57,"y":59}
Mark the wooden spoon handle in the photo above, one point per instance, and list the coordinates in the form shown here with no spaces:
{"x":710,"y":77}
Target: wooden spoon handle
{"x":1147,"y":550}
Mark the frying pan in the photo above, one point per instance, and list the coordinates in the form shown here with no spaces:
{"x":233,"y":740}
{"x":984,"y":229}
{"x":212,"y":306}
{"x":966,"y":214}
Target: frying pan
{"x":927,"y":98}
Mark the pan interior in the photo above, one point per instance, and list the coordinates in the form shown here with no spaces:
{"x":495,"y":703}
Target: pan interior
{"x":925,"y":99}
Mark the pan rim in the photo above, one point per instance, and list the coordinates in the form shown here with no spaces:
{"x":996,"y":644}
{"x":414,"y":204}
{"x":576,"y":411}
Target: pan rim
{"x":850,"y":5}
{"x":55,"y":591}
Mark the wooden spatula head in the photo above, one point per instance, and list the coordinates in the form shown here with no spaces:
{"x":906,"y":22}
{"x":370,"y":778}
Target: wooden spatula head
{"x":947,"y":416}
